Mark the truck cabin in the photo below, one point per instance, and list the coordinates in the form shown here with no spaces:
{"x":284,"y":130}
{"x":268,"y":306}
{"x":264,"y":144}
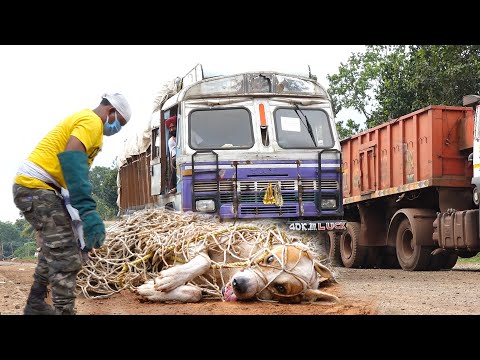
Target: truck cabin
{"x":253,"y":144}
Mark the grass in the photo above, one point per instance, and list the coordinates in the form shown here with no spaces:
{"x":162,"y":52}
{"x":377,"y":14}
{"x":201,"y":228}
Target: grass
{"x":472,"y":260}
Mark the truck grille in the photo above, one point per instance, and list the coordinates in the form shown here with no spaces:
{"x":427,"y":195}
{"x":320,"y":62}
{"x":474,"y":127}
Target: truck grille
{"x":254,"y":191}
{"x":261,"y":186}
{"x":212,"y":186}
{"x":326,"y":184}
{"x":259,"y":210}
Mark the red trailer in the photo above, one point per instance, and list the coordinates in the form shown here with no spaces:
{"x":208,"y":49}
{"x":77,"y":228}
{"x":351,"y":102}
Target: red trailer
{"x":407,"y":187}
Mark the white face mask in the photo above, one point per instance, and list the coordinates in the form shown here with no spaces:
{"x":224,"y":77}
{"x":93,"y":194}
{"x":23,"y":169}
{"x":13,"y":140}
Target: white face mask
{"x":111,"y":129}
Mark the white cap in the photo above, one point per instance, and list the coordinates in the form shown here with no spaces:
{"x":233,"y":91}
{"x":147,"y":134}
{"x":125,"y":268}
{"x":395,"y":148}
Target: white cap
{"x":119,"y":102}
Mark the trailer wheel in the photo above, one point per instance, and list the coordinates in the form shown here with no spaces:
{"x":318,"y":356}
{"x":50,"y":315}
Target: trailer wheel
{"x":332,"y":248}
{"x":451,"y":261}
{"x":411,"y":256}
{"x":390,"y":262}
{"x":465,"y":254}
{"x":444,"y":260}
{"x":373,"y":259}
{"x":351,"y":253}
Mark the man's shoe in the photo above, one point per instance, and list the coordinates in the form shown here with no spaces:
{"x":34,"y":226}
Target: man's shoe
{"x":36,"y":304}
{"x":38,"y":309}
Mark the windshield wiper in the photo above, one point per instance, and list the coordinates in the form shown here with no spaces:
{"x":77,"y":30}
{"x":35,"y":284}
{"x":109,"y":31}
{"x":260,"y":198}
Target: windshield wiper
{"x":307,"y":125}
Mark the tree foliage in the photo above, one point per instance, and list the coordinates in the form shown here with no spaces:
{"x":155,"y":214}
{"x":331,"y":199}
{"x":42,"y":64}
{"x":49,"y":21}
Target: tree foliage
{"x":11,"y":237}
{"x":388,"y":81}
{"x":26,"y":251}
{"x":350,"y":128}
{"x":104,"y":190}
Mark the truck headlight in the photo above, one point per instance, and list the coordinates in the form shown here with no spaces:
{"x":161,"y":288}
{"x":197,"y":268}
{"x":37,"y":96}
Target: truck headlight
{"x":205,"y":205}
{"x":329,"y":203}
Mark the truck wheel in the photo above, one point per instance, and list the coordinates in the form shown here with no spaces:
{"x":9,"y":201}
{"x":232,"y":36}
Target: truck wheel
{"x":351,"y":253}
{"x":466,"y":254}
{"x":411,"y":257}
{"x":373,"y":258}
{"x":332,"y":248}
{"x":444,"y":260}
{"x":390,"y":262}
{"x":388,"y":258}
{"x":451,"y":261}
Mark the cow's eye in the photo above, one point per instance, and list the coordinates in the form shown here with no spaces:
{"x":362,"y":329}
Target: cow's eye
{"x":270,"y":259}
{"x":280,"y":288}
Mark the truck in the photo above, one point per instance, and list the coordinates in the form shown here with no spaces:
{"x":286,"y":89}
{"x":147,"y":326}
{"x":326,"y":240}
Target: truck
{"x":410,"y":190}
{"x":249,"y":145}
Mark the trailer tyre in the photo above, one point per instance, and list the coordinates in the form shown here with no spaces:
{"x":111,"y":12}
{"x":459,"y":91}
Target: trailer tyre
{"x":411,"y":256}
{"x":450,"y":262}
{"x":465,"y":254}
{"x":332,"y":248}
{"x":444,"y":260}
{"x":390,"y":262}
{"x":351,"y":253}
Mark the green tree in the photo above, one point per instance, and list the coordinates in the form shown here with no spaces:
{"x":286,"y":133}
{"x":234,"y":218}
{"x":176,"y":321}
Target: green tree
{"x":26,"y":230}
{"x":11,"y":238}
{"x":386,"y":82}
{"x":350,"y":128}
{"x":26,"y":251}
{"x":104,"y":190}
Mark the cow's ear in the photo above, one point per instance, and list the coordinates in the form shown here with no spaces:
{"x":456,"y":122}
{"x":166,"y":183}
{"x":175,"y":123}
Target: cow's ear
{"x":324,"y":272}
{"x":316,"y":295}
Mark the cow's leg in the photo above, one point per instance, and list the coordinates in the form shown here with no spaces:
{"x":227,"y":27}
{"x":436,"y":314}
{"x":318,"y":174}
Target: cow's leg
{"x":183,"y":293}
{"x":177,"y":275}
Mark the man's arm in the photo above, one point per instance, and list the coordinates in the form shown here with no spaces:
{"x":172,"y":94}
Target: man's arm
{"x":74,"y":144}
{"x":74,"y":164}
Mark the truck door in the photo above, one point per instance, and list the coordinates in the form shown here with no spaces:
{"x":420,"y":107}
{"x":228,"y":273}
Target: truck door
{"x":155,"y":166}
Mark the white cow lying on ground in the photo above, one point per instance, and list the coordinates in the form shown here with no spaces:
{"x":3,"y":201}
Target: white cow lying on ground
{"x":285,"y":272}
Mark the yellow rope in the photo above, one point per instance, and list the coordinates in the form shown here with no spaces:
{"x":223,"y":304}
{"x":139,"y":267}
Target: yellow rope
{"x":229,"y":265}
{"x":127,"y":266}
{"x":241,"y":263}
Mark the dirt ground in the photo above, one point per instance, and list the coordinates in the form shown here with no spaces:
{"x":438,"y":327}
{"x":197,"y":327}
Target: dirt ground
{"x":361,"y":291}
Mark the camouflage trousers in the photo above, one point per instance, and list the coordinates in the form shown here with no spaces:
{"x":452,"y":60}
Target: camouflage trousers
{"x":59,"y":259}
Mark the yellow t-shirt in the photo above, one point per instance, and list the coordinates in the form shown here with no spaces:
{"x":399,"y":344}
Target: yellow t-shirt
{"x":85,"y":125}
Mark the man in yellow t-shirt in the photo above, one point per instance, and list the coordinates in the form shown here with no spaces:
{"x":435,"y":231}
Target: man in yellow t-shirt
{"x":53,"y":192}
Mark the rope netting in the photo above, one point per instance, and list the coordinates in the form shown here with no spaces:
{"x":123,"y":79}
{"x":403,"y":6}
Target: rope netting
{"x":140,"y":245}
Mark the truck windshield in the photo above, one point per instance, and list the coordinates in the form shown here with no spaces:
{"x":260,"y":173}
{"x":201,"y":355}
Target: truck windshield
{"x":228,"y":128}
{"x":292,"y":132}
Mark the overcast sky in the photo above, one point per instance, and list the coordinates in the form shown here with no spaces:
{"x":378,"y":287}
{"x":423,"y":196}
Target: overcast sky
{"x":40,"y":85}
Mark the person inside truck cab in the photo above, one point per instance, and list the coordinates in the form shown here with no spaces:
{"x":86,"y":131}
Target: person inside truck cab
{"x":171,"y":125}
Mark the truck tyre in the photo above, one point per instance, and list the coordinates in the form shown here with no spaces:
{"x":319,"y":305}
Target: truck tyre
{"x":465,"y":254}
{"x":450,"y":262}
{"x":444,"y":260}
{"x":390,"y":262}
{"x":373,"y":257}
{"x":332,"y":247}
{"x":352,"y":254}
{"x":411,"y":256}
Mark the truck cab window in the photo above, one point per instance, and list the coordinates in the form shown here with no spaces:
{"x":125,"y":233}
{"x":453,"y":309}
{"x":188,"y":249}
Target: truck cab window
{"x":292,"y":130}
{"x":227,"y":128}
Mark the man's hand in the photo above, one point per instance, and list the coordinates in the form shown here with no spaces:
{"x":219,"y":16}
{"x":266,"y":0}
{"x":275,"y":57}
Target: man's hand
{"x":93,"y":230}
